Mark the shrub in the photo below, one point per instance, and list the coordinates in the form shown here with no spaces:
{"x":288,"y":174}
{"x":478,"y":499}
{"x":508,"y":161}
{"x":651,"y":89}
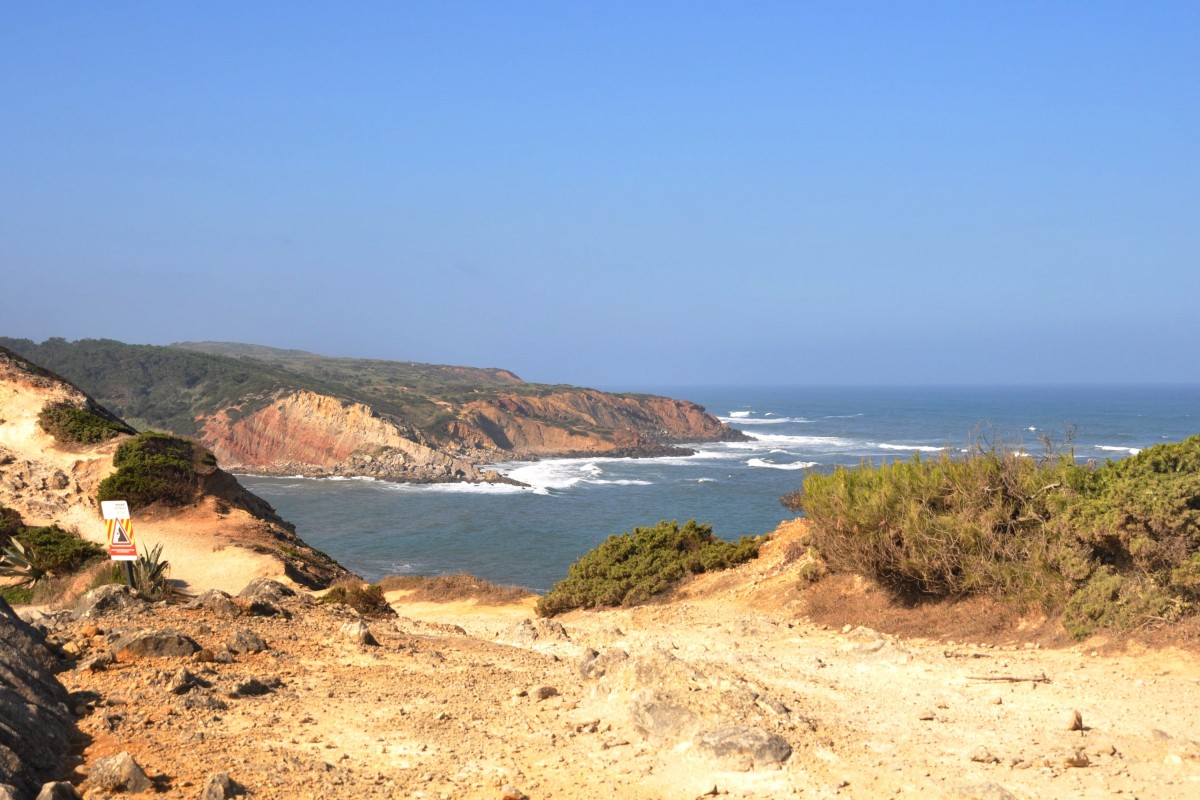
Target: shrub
{"x":10,"y":524}
{"x":1115,"y":546}
{"x":38,"y":553}
{"x":630,"y":568}
{"x":156,"y":468}
{"x":366,"y":599}
{"x":69,"y":424}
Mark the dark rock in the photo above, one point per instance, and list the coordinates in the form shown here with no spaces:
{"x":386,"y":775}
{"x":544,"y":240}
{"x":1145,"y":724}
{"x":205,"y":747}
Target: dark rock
{"x":104,"y":600}
{"x":203,"y":701}
{"x":265,"y":608}
{"x":183,"y":682}
{"x":119,"y":773}
{"x":217,"y":602}
{"x":254,"y":687}
{"x":265,"y":589}
{"x":244,"y":641}
{"x":220,"y":786}
{"x":741,"y":748}
{"x":35,"y":721}
{"x":153,"y":644}
{"x":58,"y":790}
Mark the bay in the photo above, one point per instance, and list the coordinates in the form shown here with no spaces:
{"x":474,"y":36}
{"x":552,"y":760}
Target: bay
{"x":529,"y":537}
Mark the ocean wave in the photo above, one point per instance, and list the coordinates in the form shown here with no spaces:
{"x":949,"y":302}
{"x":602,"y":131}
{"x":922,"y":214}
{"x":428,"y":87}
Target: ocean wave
{"x":841,"y":416}
{"x":1112,"y":448}
{"x":623,"y":482}
{"x":771,"y":440}
{"x":762,"y":462}
{"x":455,"y":488}
{"x":739,"y":414}
{"x":706,"y":480}
{"x":908,"y":448}
{"x":762,"y":421}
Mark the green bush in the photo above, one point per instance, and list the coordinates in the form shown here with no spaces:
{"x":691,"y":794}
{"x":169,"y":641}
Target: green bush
{"x":156,"y":468}
{"x":38,"y":553}
{"x":10,"y":525}
{"x":76,"y":425}
{"x":1114,"y":547}
{"x":629,"y":569}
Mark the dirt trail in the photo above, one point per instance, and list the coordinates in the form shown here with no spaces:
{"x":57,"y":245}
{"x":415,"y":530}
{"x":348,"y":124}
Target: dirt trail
{"x":460,"y":700}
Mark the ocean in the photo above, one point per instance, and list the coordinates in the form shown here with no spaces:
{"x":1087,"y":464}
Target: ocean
{"x":529,"y":537}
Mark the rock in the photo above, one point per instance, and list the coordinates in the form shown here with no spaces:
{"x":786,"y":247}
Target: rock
{"x":527,"y":632}
{"x":1077,"y":759}
{"x":153,"y":644}
{"x":595,"y":665}
{"x":96,"y":663}
{"x":8,"y":792}
{"x":203,"y":701}
{"x":1076,"y":723}
{"x":742,"y":748}
{"x":244,"y":641}
{"x":119,"y":773}
{"x":662,"y":719}
{"x":217,"y":602}
{"x":31,"y":751}
{"x":982,"y":755}
{"x":57,"y":790}
{"x":254,"y":687}
{"x":982,"y":791}
{"x":543,"y":692}
{"x":220,"y":786}
{"x":104,"y":600}
{"x":267,"y":590}
{"x":510,"y":792}
{"x":358,"y":632}
{"x":183,"y":682}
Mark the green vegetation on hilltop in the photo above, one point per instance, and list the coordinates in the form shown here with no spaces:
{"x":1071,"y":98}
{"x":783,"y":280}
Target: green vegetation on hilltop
{"x":1113,"y":547}
{"x":79,"y":426}
{"x":156,"y":468}
{"x":631,"y":568}
{"x":31,"y":555}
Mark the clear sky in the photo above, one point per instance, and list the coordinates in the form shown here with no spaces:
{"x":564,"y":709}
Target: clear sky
{"x":615,"y":194}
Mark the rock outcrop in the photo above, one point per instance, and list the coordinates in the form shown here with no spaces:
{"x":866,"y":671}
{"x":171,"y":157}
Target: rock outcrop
{"x":35,"y":723}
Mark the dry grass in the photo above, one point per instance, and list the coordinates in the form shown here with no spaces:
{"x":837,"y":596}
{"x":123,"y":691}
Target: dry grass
{"x":453,"y":588}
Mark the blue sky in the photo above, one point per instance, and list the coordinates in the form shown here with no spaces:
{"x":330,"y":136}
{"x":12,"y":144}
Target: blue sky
{"x":615,"y":194}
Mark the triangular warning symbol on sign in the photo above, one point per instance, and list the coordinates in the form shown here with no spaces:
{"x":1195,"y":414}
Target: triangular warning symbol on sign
{"x":119,"y":535}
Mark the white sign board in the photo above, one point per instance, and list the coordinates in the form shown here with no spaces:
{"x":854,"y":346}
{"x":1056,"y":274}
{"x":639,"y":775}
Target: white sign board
{"x":115,"y":509}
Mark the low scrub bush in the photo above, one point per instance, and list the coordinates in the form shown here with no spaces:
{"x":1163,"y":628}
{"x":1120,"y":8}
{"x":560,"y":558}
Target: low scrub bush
{"x":1115,"y":546}
{"x":79,"y":426}
{"x":366,"y":599}
{"x":156,"y":468}
{"x":35,"y":554}
{"x":631,"y":568}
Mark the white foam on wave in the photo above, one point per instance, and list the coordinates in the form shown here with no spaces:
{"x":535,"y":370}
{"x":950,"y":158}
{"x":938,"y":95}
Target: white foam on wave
{"x":1112,"y":448}
{"x":739,"y":414}
{"x":622,"y":482}
{"x":762,"y":462}
{"x":455,"y":488}
{"x":706,"y":480}
{"x":908,"y":448}
{"x":772,"y":440}
{"x":761,"y":421}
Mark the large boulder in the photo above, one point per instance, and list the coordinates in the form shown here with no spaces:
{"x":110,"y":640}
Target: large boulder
{"x":35,"y":723}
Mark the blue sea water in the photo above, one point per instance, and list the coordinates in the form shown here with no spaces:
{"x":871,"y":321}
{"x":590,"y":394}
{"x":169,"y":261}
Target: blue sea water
{"x":530,"y":536}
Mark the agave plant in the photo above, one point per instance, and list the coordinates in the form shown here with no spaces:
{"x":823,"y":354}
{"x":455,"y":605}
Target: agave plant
{"x":152,"y":576}
{"x":17,"y":561}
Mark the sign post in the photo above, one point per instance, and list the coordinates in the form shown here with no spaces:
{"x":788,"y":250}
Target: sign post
{"x":119,"y":528}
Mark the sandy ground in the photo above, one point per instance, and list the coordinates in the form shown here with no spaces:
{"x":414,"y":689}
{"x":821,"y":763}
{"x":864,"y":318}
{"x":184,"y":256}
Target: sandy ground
{"x":461,"y":700}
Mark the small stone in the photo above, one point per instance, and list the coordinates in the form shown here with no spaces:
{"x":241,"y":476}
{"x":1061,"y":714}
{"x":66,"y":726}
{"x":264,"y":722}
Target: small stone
{"x":982,"y":755}
{"x":55,"y":790}
{"x":544,"y":692}
{"x":847,"y":628}
{"x":358,"y":632}
{"x":926,"y":716}
{"x":997,"y":701}
{"x":1076,"y":723}
{"x":1077,"y":759}
{"x":510,"y":792}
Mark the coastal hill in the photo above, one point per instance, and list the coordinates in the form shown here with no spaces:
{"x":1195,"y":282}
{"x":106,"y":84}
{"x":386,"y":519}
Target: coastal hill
{"x":272,"y":411}
{"x":52,"y":480}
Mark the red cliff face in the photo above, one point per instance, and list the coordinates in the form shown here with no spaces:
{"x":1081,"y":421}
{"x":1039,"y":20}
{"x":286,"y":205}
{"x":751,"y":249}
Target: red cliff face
{"x":584,"y":421}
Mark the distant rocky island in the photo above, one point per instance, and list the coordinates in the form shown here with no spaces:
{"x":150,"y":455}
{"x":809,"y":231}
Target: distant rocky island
{"x":269,"y":411}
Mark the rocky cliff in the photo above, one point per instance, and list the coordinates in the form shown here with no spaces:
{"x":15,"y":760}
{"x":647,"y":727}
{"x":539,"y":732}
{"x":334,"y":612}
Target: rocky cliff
{"x":312,"y":434}
{"x":273,"y":411}
{"x":51,"y":482}
{"x":584,"y":421}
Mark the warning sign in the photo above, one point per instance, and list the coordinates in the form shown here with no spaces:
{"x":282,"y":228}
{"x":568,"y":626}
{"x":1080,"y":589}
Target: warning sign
{"x":119,"y":528}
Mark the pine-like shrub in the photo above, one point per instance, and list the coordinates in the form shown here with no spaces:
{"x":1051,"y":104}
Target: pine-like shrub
{"x":156,"y":468}
{"x":632,"y":567}
{"x":78,"y":426}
